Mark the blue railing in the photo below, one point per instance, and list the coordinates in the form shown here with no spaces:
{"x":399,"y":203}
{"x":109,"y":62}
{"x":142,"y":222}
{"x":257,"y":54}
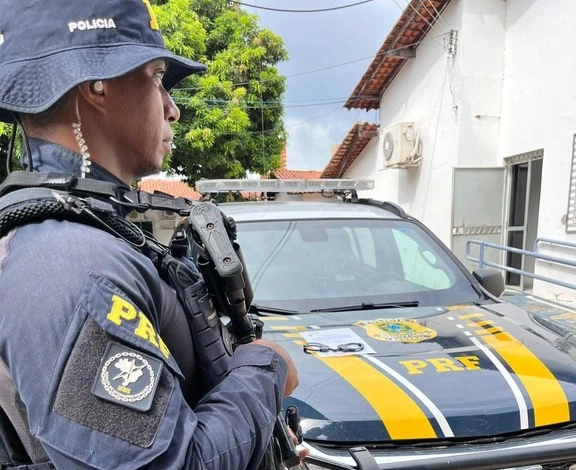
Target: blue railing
{"x":536,"y":254}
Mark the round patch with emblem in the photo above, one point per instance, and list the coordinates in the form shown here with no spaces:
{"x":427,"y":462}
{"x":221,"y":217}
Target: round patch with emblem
{"x":398,"y":330}
{"x":127,"y":377}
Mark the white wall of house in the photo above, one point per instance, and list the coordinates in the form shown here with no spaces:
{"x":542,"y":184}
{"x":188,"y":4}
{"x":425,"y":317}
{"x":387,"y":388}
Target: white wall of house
{"x":442,"y":97}
{"x":508,"y":90}
{"x":539,"y":112}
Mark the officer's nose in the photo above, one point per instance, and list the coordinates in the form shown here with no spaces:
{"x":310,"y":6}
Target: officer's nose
{"x":171,"y":111}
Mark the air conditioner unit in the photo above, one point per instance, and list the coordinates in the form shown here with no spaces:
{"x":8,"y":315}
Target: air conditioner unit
{"x":401,"y":146}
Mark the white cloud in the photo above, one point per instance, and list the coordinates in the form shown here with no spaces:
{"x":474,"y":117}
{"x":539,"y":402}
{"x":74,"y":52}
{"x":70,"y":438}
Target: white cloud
{"x":322,"y":40}
{"x":310,"y":143}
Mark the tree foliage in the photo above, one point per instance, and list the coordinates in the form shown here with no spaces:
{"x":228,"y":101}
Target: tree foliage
{"x":5,"y":131}
{"x":231,"y":116}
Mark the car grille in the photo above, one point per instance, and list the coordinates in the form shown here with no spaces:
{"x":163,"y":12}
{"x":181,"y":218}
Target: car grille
{"x":559,"y":466}
{"x":435,"y":450}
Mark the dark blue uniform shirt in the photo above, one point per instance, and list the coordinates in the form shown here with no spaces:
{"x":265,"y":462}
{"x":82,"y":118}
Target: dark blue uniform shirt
{"x":101,"y":356}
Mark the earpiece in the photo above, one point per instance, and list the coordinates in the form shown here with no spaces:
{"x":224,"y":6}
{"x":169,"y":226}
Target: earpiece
{"x":98,"y":87}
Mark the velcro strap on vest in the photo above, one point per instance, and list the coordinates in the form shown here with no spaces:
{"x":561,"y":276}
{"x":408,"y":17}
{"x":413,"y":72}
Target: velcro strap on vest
{"x":137,"y":200}
{"x":26,"y":179}
{"x":37,"y":204}
{"x":158,"y":201}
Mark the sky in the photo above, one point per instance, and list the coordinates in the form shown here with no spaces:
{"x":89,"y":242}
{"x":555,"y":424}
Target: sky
{"x":343,"y":42}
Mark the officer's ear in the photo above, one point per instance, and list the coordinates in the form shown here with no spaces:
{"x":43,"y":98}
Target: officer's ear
{"x":94,"y":93}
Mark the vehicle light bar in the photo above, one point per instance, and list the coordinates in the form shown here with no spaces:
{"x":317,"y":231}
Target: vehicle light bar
{"x":282,"y":186}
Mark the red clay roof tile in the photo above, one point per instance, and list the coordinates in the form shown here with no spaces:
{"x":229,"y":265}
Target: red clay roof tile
{"x":415,"y":22}
{"x":352,"y":145}
{"x":169,"y":186}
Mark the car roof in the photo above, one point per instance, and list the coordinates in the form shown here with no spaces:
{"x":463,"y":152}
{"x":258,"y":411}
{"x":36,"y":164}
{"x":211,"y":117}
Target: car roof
{"x":303,"y":210}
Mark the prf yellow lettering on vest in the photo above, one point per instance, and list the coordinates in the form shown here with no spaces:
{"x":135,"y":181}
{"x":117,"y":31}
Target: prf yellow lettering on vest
{"x":123,"y":310}
{"x":153,"y":20}
{"x":442,"y":364}
{"x":146,"y":330}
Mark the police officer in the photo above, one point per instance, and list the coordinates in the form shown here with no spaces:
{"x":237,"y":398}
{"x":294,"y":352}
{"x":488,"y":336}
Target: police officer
{"x":97,"y":356}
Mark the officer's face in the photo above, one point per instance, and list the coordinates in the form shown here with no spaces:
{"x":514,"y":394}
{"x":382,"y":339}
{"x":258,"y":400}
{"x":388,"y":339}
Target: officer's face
{"x":141,"y":113}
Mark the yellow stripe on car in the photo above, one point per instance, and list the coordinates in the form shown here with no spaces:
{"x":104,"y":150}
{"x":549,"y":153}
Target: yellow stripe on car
{"x":401,"y":415}
{"x":548,"y":398}
{"x":546,"y":394}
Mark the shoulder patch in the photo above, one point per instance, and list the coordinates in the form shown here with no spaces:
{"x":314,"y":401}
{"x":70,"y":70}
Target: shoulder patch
{"x":127,"y":377}
{"x":76,"y":400}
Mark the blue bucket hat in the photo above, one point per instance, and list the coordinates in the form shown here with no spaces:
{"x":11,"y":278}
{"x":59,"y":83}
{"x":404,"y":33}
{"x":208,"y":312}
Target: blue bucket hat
{"x":49,"y":47}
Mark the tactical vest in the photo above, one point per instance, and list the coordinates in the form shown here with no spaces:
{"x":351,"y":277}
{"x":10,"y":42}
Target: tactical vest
{"x":27,"y":197}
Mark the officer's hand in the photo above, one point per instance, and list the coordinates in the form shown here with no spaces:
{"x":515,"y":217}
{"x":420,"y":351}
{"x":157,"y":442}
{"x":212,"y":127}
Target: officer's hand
{"x":302,"y":451}
{"x":292,"y":380}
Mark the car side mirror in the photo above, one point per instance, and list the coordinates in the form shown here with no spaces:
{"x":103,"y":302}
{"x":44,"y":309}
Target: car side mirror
{"x":491,"y":279}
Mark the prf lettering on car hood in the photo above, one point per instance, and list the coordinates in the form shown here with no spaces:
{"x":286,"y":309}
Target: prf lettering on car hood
{"x":123,"y":310}
{"x":442,"y":364}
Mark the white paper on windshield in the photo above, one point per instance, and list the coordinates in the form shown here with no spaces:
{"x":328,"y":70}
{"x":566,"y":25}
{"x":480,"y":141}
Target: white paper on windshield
{"x":334,"y":338}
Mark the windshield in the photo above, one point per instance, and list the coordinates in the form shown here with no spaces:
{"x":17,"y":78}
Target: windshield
{"x":308,"y":265}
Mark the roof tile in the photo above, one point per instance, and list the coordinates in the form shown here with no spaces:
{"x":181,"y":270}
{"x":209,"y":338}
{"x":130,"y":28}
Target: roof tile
{"x":285,"y":174}
{"x":352,"y":145}
{"x":415,"y":22}
{"x":169,"y":186}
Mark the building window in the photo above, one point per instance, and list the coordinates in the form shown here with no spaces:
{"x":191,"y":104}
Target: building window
{"x":146,"y":227}
{"x":571,"y":214}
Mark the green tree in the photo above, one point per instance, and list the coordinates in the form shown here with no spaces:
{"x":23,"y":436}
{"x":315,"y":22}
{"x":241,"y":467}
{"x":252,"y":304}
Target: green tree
{"x":5,"y":131}
{"x":231,"y":116}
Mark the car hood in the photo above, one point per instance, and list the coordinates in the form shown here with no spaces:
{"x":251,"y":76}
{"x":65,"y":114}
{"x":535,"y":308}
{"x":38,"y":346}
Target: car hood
{"x":435,"y":373}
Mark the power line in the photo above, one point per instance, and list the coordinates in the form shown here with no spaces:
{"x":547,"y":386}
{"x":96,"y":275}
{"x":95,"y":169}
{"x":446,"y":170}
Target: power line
{"x":438,"y":15}
{"x":409,"y":4}
{"x":345,"y":63}
{"x":271,"y":104}
{"x":296,"y":124}
{"x":301,"y":11}
{"x":315,"y":117}
{"x":328,"y":67}
{"x":340,"y":99}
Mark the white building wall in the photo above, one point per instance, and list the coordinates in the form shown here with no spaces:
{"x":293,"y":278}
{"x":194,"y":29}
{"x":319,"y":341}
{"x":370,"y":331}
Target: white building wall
{"x":365,"y":167}
{"x":478,"y":81}
{"x":539,"y":112}
{"x":454,"y":103}
{"x":420,"y":93}
{"x":508,"y":90}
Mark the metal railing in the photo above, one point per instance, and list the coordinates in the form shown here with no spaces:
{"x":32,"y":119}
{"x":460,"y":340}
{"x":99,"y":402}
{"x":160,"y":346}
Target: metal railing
{"x":536,"y":254}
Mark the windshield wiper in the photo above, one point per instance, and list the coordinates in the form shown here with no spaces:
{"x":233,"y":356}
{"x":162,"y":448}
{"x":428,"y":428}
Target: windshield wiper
{"x":367,"y":306}
{"x":257,"y":309}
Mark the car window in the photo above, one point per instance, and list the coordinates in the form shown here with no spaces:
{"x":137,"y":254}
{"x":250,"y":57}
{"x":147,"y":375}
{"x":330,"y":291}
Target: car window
{"x":419,"y":263}
{"x":310,"y":264}
{"x":363,"y":246}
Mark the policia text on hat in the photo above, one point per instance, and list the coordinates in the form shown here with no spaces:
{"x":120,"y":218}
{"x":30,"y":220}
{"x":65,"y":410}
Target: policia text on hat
{"x":99,"y":366}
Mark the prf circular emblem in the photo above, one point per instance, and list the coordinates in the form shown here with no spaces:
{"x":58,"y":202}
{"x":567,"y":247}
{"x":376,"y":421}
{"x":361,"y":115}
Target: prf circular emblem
{"x":127,"y":377}
{"x":397,"y":330}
